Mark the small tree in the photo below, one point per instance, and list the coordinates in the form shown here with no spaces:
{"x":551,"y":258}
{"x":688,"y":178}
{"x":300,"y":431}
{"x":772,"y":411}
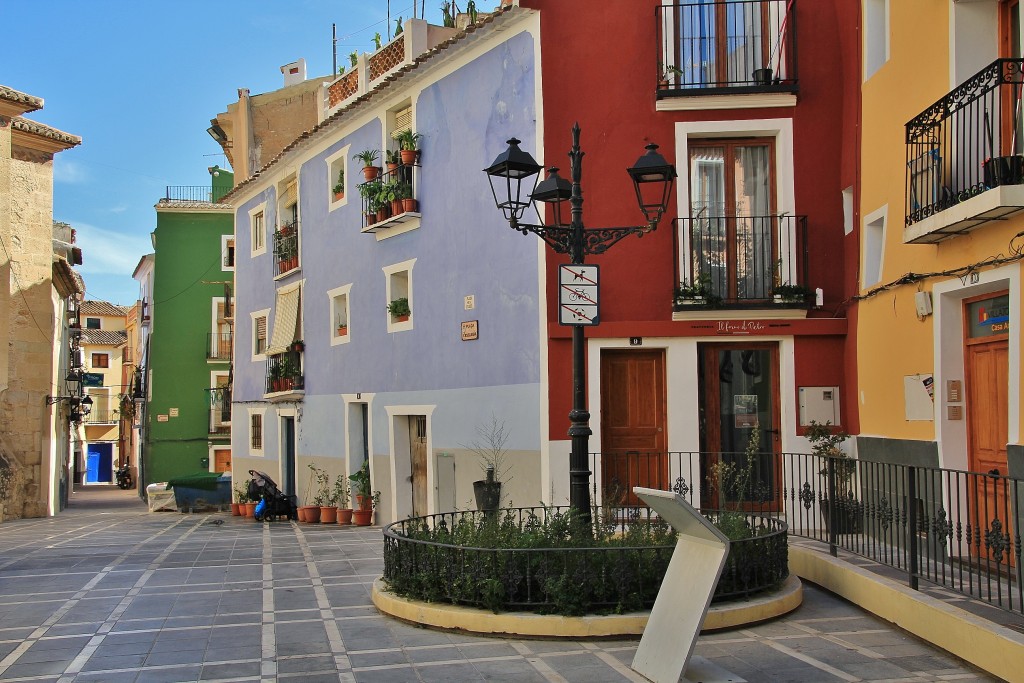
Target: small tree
{"x":490,"y":448}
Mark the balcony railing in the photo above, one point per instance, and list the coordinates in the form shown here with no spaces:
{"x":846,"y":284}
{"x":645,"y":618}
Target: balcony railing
{"x":101,"y":416}
{"x":389,"y":199}
{"x":744,"y":261}
{"x":286,"y":248}
{"x":284,"y":373}
{"x":726,"y":47}
{"x":196,"y":193}
{"x":218,"y":346}
{"x":220,"y":410}
{"x":967,"y":143}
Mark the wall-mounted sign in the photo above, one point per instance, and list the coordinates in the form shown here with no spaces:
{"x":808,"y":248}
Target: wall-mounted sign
{"x":161,"y":418}
{"x":988,"y":317}
{"x":92,"y":379}
{"x":577,"y":295}
{"x":470,"y":330}
{"x":173,"y":412}
{"x":740,"y":326}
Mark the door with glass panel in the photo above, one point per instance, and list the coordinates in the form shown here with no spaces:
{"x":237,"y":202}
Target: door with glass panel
{"x":732,"y":234}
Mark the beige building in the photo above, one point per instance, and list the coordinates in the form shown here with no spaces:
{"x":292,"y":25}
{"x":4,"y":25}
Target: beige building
{"x":103,"y":343}
{"x":36,"y":283}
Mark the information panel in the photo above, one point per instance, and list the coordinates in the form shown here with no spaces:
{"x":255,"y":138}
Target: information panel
{"x":577,"y":295}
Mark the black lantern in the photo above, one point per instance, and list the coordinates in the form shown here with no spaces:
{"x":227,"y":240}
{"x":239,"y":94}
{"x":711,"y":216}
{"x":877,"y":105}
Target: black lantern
{"x":652,"y":178}
{"x":553,"y":191}
{"x":513,"y":170}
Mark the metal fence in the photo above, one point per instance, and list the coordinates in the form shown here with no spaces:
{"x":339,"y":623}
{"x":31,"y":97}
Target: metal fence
{"x":955,"y":529}
{"x":196,"y":193}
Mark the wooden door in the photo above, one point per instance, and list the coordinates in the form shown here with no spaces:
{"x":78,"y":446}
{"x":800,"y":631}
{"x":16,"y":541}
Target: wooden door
{"x":739,"y":390}
{"x":418,"y":458}
{"x":986,"y":362}
{"x":633,"y":438}
{"x":222,"y":460}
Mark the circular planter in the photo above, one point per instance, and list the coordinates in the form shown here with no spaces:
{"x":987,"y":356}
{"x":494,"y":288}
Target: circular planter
{"x":362,"y":517}
{"x":344,"y":515}
{"x":328,"y":515}
{"x":235,"y":509}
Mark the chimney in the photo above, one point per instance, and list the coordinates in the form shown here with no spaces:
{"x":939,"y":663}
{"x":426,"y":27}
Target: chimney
{"x":295,"y":72}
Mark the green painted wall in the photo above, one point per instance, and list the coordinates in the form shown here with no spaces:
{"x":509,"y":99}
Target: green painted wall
{"x":187,"y":262}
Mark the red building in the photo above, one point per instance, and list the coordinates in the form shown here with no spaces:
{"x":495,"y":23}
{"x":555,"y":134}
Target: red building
{"x":734,"y":313}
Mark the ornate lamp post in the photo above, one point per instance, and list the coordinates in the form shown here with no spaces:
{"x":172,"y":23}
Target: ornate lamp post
{"x":513,"y":178}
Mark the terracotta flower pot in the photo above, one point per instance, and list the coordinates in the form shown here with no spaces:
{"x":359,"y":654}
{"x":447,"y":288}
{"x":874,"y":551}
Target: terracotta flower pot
{"x":338,"y":196}
{"x":328,"y":515}
{"x":342,"y":331}
{"x":234,"y":509}
{"x":410,"y":205}
{"x":391,"y":167}
{"x":250,"y":509}
{"x":408,"y":156}
{"x":301,"y":512}
{"x":370,"y":172}
{"x":362,"y":517}
{"x":344,"y":515}
{"x":312,"y":514}
{"x":363,"y":502}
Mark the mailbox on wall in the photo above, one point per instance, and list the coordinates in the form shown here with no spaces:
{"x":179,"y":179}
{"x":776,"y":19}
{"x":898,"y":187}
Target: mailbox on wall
{"x":819,"y":404}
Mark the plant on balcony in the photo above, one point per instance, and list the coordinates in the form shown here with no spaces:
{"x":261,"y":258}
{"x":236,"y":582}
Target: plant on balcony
{"x":398,"y":27}
{"x":787,"y":293}
{"x":287,"y":370}
{"x":403,"y":193}
{"x":339,"y":187}
{"x":368,"y":157}
{"x":385,"y":200}
{"x":447,"y":18}
{"x":353,"y":57}
{"x":370,"y":191}
{"x":399,"y":309}
{"x":409,"y":142}
{"x":392,"y":158}
{"x":668,"y":72}
{"x":697,"y":292}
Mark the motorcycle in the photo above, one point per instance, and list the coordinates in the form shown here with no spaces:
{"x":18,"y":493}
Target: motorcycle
{"x":123,"y":477}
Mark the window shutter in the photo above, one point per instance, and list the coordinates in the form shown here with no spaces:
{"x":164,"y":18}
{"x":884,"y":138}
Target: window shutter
{"x":291,"y":193}
{"x":403,"y":121}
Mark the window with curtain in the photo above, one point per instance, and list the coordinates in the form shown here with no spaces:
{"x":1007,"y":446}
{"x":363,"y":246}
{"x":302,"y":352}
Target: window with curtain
{"x":722,"y":43}
{"x":732,"y":236}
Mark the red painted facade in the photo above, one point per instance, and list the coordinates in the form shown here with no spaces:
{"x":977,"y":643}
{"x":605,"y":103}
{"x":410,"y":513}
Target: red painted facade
{"x":600,"y":68}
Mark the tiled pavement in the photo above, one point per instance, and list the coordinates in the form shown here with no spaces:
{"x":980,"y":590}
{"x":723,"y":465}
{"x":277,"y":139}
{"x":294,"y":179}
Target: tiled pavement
{"x":108,"y":592}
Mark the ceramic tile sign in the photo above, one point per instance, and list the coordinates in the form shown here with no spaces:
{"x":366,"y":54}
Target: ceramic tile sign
{"x":677,"y":615}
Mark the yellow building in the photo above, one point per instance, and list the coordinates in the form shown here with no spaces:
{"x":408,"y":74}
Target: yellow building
{"x":103,"y":343}
{"x":941,"y":221}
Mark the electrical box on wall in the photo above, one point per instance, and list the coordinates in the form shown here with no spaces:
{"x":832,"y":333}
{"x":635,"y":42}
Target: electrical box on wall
{"x":819,"y":404}
{"x":923,"y":304}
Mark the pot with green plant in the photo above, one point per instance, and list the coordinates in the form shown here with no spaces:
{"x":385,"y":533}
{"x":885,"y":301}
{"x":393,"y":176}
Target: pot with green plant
{"x":409,"y":143}
{"x":696,"y":292}
{"x":787,"y":293}
{"x":490,"y":450}
{"x":286,"y":371}
{"x":325,"y":497}
{"x":399,"y":310}
{"x":310,"y":512}
{"x":241,"y":498}
{"x":403,"y":192}
{"x":840,"y":509}
{"x":368,"y":157}
{"x":339,"y":187}
{"x":384,"y":197}
{"x":361,"y":487}
{"x":369,"y":191}
{"x":341,"y":499}
{"x":392,"y":159}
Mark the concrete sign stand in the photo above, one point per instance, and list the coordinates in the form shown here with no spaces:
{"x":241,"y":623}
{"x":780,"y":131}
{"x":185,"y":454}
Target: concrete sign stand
{"x":682,"y":602}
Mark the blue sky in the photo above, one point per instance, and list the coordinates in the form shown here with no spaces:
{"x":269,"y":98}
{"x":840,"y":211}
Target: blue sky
{"x":139,"y":81}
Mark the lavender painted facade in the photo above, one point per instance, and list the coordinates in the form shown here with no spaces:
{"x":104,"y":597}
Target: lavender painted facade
{"x":465,"y":106}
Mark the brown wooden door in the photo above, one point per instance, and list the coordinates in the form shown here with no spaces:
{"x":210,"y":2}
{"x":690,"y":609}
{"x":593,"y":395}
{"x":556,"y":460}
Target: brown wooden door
{"x":418,"y":457}
{"x":740,"y":394}
{"x":633,"y":438}
{"x":222,"y":460}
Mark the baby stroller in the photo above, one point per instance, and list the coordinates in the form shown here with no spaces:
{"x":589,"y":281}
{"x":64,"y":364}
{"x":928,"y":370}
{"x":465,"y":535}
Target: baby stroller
{"x":272,"y":502}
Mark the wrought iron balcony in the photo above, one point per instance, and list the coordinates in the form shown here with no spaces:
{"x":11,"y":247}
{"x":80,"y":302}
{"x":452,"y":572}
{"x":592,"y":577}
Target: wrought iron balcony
{"x":101,"y":415}
{"x":220,"y":410}
{"x":196,"y":193}
{"x":389,"y":199}
{"x":726,"y":47}
{"x":284,"y":373}
{"x":286,"y":248}
{"x":968,"y":143}
{"x":743,"y":262}
{"x":218,"y":346}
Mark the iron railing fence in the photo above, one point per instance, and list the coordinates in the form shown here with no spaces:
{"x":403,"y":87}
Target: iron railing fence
{"x":286,"y":248}
{"x":955,"y":529}
{"x":716,"y":48}
{"x":220,"y":410}
{"x":379,"y":196}
{"x":968,"y":142}
{"x":101,"y":416}
{"x":218,"y":345}
{"x":428,"y":558}
{"x":744,"y":260}
{"x":195,"y":193}
{"x":284,"y":372}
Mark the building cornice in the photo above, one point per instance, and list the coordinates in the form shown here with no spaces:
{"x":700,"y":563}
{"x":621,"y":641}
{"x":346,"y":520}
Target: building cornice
{"x":41,"y":138}
{"x":15,"y":103}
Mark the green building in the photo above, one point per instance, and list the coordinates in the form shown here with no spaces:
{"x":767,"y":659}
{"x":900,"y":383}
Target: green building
{"x":187,"y":424}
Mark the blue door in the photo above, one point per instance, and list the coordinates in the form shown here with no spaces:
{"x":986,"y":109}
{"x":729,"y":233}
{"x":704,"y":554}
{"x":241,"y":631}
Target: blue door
{"x":99,"y":460}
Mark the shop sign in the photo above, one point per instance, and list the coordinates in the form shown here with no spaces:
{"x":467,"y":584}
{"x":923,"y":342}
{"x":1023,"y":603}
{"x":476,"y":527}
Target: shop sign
{"x":989,"y":317}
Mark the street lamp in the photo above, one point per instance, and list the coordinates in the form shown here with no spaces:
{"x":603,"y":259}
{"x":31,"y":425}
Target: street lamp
{"x":513,"y":179}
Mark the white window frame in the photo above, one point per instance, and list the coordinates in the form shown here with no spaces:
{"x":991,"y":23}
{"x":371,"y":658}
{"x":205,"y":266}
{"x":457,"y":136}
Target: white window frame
{"x":261,"y":248}
{"x":873,"y":246}
{"x":262,"y":313}
{"x":332,"y":295}
{"x":876,"y":36}
{"x":781,"y":130}
{"x":342,"y":156}
{"x":256,"y":452}
{"x":214,"y":374}
{"x":224,"y":239}
{"x":389,"y":274}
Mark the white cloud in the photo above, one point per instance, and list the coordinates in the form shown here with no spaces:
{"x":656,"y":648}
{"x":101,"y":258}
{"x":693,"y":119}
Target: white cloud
{"x":109,"y":252}
{"x":66,"y":171}
{"x":120,"y":208}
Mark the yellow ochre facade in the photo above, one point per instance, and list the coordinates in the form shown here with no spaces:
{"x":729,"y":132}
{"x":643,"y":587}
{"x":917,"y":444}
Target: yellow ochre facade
{"x":941,"y":234}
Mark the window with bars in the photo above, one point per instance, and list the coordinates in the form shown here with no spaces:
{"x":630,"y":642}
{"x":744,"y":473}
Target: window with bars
{"x":256,"y":432}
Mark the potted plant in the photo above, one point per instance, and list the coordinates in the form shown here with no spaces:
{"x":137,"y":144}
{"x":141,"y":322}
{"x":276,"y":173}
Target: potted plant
{"x":787,"y":293}
{"x":392,"y":159}
{"x":310,"y":512}
{"x":342,"y":329}
{"x":286,"y":371}
{"x":403,"y":193}
{"x":369,"y":192}
{"x":341,"y":500}
{"x":325,"y":497}
{"x":339,"y":187}
{"x":399,"y":309}
{"x":838,"y":467}
{"x":384,"y":197}
{"x":361,"y":486}
{"x":298,"y":345}
{"x":668,"y":73}
{"x":408,"y":142}
{"x":695,"y":292}
{"x":241,"y":498}
{"x":490,"y":450}
{"x":368,"y":157}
